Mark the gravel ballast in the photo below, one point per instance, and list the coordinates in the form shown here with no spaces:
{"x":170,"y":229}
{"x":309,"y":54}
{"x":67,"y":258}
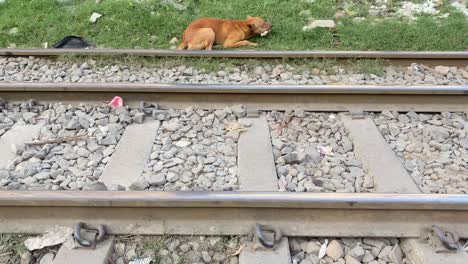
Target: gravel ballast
{"x":313,"y":153}
{"x":10,"y":115}
{"x":91,"y":134}
{"x":346,"y":250}
{"x":432,"y":147}
{"x":21,"y":69}
{"x":177,"y":249}
{"x":195,"y":150}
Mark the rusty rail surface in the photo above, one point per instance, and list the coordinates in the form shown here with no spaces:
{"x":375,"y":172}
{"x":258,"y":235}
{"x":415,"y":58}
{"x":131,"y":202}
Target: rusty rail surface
{"x":235,"y":213}
{"x":449,"y":55}
{"x":232,"y":88}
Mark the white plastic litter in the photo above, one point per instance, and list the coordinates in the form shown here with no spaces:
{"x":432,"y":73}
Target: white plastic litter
{"x":94,"y":17}
{"x":328,"y":151}
{"x":323,"y":249}
{"x":142,"y":261}
{"x":54,"y":236}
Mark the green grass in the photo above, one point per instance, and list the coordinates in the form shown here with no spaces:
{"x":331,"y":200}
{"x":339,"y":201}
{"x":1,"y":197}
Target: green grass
{"x":11,"y":248}
{"x":150,"y":24}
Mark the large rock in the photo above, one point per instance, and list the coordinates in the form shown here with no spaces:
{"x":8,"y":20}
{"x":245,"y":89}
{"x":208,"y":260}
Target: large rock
{"x":335,"y":250}
{"x":320,"y":24}
{"x":442,"y":70}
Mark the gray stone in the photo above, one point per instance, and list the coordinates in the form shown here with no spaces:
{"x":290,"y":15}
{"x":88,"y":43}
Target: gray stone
{"x":395,"y":255}
{"x":293,"y":157}
{"x":385,"y":254}
{"x":239,"y":111}
{"x":139,"y":186}
{"x":25,"y":258}
{"x":47,"y":258}
{"x":157,"y":179}
{"x":139,"y":118}
{"x":109,"y":140}
{"x":183,"y":143}
{"x":368,"y":257}
{"x":42,"y":175}
{"x":439,"y":132}
{"x":351,"y":260}
{"x":172,"y":126}
{"x":73,"y":124}
{"x":94,"y":186}
{"x":310,"y":247}
{"x":357,"y":252}
{"x":356,"y":172}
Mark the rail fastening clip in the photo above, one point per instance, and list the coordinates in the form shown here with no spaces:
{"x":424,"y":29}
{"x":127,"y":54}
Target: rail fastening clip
{"x":100,"y":234}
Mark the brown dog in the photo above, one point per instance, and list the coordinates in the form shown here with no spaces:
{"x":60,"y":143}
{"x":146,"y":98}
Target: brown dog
{"x":204,"y":32}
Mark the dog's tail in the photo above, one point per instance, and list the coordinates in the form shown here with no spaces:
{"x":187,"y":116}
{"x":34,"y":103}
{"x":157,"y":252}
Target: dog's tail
{"x":182,"y":45}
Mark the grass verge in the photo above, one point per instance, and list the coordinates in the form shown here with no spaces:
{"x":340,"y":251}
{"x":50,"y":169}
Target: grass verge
{"x":152,"y":24}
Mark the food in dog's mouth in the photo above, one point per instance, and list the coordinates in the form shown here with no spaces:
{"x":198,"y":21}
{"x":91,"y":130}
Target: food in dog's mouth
{"x":264,"y":33}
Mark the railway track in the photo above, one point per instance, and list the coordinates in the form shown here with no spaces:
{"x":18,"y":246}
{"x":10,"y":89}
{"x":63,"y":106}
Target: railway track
{"x":404,"y":58}
{"x":317,"y":161}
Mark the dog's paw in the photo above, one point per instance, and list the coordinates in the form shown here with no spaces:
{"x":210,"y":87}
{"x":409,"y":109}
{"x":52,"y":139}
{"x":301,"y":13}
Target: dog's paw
{"x":253,"y":44}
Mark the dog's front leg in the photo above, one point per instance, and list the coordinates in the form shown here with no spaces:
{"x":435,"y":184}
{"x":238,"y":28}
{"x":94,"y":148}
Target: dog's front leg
{"x":234,"y":44}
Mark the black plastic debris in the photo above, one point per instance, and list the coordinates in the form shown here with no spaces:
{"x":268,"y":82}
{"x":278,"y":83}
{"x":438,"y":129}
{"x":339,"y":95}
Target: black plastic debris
{"x":73,"y":42}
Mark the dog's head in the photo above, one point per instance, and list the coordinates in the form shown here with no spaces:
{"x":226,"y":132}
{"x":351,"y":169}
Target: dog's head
{"x":258,"y":26}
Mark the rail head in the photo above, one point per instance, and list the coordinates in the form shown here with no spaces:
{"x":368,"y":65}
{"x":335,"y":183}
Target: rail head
{"x":233,"y":88}
{"x":266,"y":54}
{"x":146,"y":199}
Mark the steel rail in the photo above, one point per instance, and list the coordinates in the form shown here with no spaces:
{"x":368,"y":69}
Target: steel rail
{"x":235,"y":213}
{"x":351,"y":201}
{"x":233,"y":88}
{"x":446,"y":55}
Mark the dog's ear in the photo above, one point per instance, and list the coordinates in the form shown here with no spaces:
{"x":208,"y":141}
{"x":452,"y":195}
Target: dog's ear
{"x":249,"y":17}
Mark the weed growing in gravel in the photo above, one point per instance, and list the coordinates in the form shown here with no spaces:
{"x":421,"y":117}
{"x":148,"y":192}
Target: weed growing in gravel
{"x":11,"y":248}
{"x":208,"y":65}
{"x":154,"y":246}
{"x":152,"y":24}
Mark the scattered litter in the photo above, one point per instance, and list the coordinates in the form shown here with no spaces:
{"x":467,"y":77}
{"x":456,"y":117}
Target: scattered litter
{"x":323,"y":249}
{"x":174,"y":40}
{"x":328,"y":151}
{"x":241,"y":247}
{"x":235,"y":126}
{"x":73,"y":42}
{"x":116,"y":102}
{"x":54,"y":236}
{"x":142,"y":261}
{"x":332,"y":116}
{"x":94,"y":17}
{"x":13,"y":31}
{"x":410,"y":9}
{"x":305,"y":13}
{"x":58,"y":140}
{"x":45,"y":45}
{"x":319,"y":24}
{"x":238,"y":251}
{"x":460,"y":7}
{"x":173,"y":4}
